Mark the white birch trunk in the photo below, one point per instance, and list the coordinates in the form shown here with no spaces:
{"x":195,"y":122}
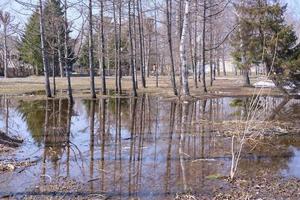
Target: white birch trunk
{"x":182,"y":49}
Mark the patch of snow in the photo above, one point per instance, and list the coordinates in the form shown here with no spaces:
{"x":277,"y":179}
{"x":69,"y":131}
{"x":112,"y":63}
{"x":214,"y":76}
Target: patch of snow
{"x":264,"y":84}
{"x":287,"y":87}
{"x":290,"y":86}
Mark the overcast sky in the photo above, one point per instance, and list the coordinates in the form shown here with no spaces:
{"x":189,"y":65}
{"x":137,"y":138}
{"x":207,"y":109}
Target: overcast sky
{"x":22,"y":13}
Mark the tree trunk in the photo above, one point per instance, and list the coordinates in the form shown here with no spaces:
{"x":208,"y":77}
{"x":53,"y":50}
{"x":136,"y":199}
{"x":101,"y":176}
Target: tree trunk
{"x":184,"y":68}
{"x":223,"y":62}
{"x":218,"y":66}
{"x":119,"y":48}
{"x":5,"y":49}
{"x":246,"y":79}
{"x":191,"y":48}
{"x":61,"y":68}
{"x":131,"y":51}
{"x":67,"y":68}
{"x":203,"y":46}
{"x":44,"y":54}
{"x":102,"y":49}
{"x":148,"y":56}
{"x":196,"y":53}
{"x":116,"y":48}
{"x":169,"y":27}
{"x":156,"y":44}
{"x":141,"y":45}
{"x":135,"y":45}
{"x":36,"y":71}
{"x":91,"y":53}
{"x":211,"y":45}
{"x":179,"y":33}
{"x":53,"y":74}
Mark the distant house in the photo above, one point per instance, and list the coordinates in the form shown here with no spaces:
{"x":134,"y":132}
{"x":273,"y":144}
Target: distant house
{"x":16,"y":68}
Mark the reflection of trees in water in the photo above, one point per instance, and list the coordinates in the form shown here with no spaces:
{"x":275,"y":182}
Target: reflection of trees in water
{"x":48,"y":123}
{"x":136,"y":144}
{"x":269,"y":156}
{"x":33,"y":112}
{"x":258,"y":107}
{"x":4,"y":110}
{"x":287,"y":110}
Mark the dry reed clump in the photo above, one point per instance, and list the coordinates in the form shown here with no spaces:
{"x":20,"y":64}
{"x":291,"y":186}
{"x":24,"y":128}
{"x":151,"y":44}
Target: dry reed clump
{"x":259,"y":129}
{"x":264,"y":187}
{"x":62,"y":188}
{"x":12,"y":165}
{"x":185,"y":197}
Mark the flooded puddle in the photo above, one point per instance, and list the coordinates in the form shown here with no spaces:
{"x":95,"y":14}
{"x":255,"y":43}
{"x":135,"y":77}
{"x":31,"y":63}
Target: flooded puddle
{"x":147,"y":147}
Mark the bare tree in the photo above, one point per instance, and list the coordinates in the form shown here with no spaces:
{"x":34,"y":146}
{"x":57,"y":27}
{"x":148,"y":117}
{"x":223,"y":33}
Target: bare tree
{"x":116,"y":45}
{"x":211,"y":44}
{"x":223,"y":60}
{"x":44,"y":53}
{"x":91,"y":51}
{"x":119,"y":47}
{"x":184,"y":68}
{"x":132,"y":64}
{"x":5,"y":20}
{"x":203,"y":44}
{"x":102,"y":48}
{"x":156,"y":44}
{"x":169,"y":30}
{"x":141,"y":43}
{"x":66,"y":61}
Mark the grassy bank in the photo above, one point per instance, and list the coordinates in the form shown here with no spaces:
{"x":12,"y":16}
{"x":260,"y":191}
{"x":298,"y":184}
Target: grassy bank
{"x":223,"y":86}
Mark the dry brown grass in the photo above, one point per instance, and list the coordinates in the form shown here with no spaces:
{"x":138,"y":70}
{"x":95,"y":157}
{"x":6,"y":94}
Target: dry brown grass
{"x":32,"y":87}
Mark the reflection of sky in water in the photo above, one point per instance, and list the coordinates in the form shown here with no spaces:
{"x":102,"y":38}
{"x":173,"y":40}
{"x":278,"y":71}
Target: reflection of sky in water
{"x":154,"y":167}
{"x":293,"y":169}
{"x":17,"y":126}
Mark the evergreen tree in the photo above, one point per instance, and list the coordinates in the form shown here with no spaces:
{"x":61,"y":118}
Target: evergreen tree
{"x":83,"y":59}
{"x":84,"y":54}
{"x":267,"y":39}
{"x":54,"y":32}
{"x":54,"y":24}
{"x":30,"y":46}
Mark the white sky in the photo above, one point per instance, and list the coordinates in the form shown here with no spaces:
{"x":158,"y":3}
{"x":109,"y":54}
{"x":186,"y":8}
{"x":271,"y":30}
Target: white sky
{"x":22,"y":13}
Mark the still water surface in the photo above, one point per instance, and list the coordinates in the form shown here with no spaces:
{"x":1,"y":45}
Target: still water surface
{"x":147,"y":147}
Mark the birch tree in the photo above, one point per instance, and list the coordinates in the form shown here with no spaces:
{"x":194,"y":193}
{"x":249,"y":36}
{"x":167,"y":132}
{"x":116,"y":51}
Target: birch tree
{"x":5,"y":21}
{"x":184,"y":68}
